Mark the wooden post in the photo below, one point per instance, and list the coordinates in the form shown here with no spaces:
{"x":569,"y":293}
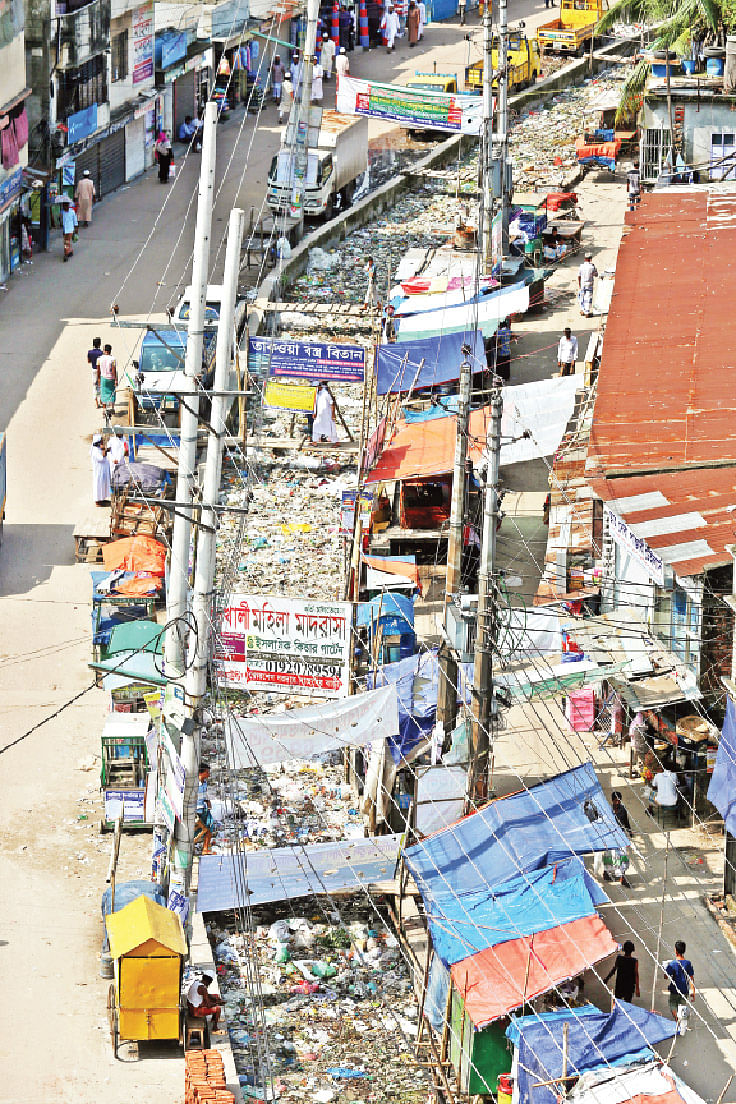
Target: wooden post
{"x":462,"y":1039}
{"x":446,"y":1021}
{"x":661,"y":921}
{"x":565,"y":1044}
{"x":425,"y":983}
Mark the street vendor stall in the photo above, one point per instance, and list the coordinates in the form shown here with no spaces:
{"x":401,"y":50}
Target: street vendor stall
{"x":124,"y":771}
{"x":119,"y":597}
{"x":147,"y":945}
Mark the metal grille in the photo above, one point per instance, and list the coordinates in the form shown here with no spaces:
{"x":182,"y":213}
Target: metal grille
{"x":655,"y":145}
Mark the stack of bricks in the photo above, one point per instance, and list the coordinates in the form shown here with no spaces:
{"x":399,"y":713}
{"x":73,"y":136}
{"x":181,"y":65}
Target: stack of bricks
{"x":204,"y":1079}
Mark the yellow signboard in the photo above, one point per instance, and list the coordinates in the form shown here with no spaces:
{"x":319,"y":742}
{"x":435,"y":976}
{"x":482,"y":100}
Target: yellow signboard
{"x":289,"y":396}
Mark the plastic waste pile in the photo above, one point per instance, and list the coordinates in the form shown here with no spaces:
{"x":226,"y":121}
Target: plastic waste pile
{"x":338,"y":1007}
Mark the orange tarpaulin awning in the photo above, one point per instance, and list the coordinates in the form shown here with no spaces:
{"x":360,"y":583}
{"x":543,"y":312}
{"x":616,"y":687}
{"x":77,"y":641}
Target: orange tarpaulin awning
{"x":138,"y":553}
{"x":141,"y":587}
{"x":421,"y":449}
{"x":501,"y":978}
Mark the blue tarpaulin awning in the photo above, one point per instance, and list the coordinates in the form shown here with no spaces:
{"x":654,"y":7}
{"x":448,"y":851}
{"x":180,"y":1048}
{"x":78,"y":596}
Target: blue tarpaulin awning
{"x":554,"y":820}
{"x":442,"y":358}
{"x":530,"y":903}
{"x":594,"y":1038}
{"x":395,"y":606}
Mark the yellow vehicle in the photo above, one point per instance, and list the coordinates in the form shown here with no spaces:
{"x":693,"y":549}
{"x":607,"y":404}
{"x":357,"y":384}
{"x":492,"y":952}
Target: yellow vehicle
{"x":522,"y":60}
{"x":573,"y":30}
{"x":147,"y":946}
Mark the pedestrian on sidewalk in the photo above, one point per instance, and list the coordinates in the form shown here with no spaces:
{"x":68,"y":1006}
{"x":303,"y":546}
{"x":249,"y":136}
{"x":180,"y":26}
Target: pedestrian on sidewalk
{"x":85,"y":196}
{"x":681,"y":988}
{"x":567,"y":353}
{"x":461,"y":8}
{"x":370,"y":291}
{"x":342,"y":66}
{"x":390,"y":27}
{"x":163,"y":154}
{"x":626,"y":969}
{"x":108,"y":379}
{"x":422,"y":18}
{"x":328,"y":56}
{"x":69,"y":226}
{"x":620,"y":812}
{"x":633,"y":187}
{"x":100,"y":471}
{"x":317,"y":89}
{"x":93,"y":355}
{"x":278,"y":72}
{"x":205,"y":823}
{"x":344,"y":21}
{"x":412,"y":23}
{"x":586,"y":278}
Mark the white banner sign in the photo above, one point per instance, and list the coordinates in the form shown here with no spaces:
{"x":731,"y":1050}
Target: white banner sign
{"x":638,"y":547}
{"x":286,"y":644}
{"x":416,"y":108}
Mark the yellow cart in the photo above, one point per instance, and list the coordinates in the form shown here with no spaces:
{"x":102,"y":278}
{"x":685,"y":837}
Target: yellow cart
{"x":147,"y":946}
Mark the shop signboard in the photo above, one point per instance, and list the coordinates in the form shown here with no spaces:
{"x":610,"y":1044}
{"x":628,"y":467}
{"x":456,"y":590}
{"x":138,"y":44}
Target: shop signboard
{"x":131,"y":803}
{"x":170,"y":48}
{"x":81,"y":124}
{"x":10,"y":188}
{"x":638,"y":547}
{"x":286,"y":645}
{"x":143,"y":38}
{"x":411,"y":107}
{"x":306,"y":360}
{"x":289,"y":396}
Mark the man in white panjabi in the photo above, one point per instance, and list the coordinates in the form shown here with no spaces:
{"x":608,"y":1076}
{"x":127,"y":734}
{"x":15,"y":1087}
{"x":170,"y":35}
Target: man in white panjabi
{"x":100,"y":471}
{"x":323,"y":427}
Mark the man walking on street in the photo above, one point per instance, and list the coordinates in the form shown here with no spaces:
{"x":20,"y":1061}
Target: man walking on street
{"x":682,"y":984}
{"x":108,"y":379}
{"x":328,"y":56}
{"x":461,"y":9}
{"x":93,"y":356}
{"x":277,"y":79}
{"x":342,"y":66}
{"x":317,"y":90}
{"x":567,"y":353}
{"x":586,"y":277}
{"x":85,"y":196}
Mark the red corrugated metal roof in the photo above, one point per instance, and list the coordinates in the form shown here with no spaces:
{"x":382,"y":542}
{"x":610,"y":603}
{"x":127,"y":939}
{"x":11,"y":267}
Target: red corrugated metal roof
{"x":666,"y":404}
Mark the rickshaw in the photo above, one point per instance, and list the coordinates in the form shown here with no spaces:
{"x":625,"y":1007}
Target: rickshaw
{"x":147,"y":946}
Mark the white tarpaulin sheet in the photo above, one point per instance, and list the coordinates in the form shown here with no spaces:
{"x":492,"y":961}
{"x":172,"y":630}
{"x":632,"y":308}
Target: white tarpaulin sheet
{"x":492,"y":310}
{"x":543,"y":409}
{"x":386,"y":580}
{"x":527,"y":632}
{"x":441,"y":300}
{"x":306,"y":733}
{"x":440,"y":797}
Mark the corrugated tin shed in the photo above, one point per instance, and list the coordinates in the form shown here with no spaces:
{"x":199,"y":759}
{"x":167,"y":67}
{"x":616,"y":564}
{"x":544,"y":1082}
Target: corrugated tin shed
{"x":662,"y":448}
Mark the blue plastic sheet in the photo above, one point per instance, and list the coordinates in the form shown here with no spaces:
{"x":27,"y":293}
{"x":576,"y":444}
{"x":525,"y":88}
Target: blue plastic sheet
{"x":388,"y":606}
{"x":463,"y":925}
{"x":593,"y":1038}
{"x":564,"y":816}
{"x":442,"y":358}
{"x":722,"y":788}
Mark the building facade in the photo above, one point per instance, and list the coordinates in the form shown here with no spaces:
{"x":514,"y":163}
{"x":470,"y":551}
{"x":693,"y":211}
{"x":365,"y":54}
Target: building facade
{"x":13,"y":134}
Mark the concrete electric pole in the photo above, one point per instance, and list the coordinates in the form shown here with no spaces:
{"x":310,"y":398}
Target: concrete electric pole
{"x":483,"y":701}
{"x":447,"y":689}
{"x":178,"y":587}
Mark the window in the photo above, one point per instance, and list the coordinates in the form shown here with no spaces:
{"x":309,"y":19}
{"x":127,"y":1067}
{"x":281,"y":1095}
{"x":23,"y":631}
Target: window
{"x":722,"y":156}
{"x":81,"y":87}
{"x":120,"y":56}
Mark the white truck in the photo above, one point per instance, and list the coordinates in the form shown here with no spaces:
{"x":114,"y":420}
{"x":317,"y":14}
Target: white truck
{"x":334,"y":163}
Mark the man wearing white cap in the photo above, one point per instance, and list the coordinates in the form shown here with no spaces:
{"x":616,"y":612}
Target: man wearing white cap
{"x":342,"y":65}
{"x":586,"y":278}
{"x":100,"y":471}
{"x":85,"y":197}
{"x":117,"y":449}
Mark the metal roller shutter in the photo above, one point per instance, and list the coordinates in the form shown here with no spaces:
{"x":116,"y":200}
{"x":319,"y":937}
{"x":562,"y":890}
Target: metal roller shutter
{"x":112,"y":162}
{"x":185,"y":97}
{"x":89,"y":160}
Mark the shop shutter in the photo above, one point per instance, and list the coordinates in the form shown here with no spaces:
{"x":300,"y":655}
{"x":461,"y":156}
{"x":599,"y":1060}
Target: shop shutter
{"x":112,"y":162}
{"x":90,"y":159}
{"x":185,"y":93}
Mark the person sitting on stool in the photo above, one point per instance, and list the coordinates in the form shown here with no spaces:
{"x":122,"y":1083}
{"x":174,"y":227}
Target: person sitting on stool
{"x":201,"y":1003}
